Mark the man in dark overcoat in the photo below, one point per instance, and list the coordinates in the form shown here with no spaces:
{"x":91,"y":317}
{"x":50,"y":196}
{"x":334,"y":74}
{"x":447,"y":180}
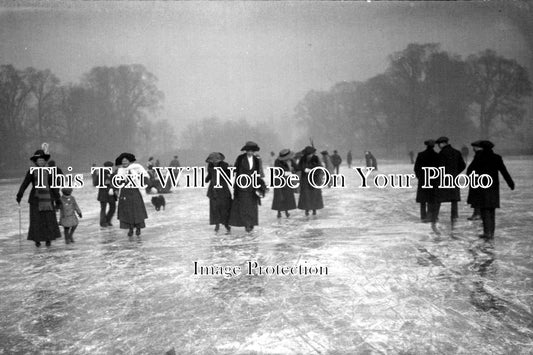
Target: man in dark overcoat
{"x":476,"y":214}
{"x":336,"y":160}
{"x":453,"y":163}
{"x":426,"y":197}
{"x":488,"y":199}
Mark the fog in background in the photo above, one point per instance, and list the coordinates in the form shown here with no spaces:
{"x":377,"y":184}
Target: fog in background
{"x":242,"y":69}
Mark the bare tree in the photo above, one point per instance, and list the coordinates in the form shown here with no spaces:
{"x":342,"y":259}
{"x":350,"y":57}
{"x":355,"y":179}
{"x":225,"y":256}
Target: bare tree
{"x":499,"y":86}
{"x":44,"y":87}
{"x":14,"y":92}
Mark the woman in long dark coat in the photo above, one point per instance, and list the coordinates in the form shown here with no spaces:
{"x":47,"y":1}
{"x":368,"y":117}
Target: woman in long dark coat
{"x":310,"y":197}
{"x":43,"y":202}
{"x":488,"y":199}
{"x":131,"y":210}
{"x":244,"y":210}
{"x":219,"y":197}
{"x":284,"y":197}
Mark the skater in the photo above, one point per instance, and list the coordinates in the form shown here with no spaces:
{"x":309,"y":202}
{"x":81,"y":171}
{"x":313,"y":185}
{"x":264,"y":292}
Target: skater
{"x":349,"y":159}
{"x":175,"y":163}
{"x":43,"y":202}
{"x":107,"y":196}
{"x":336,"y":160}
{"x":476,"y":214}
{"x":131,"y":209}
{"x":284,"y":197}
{"x":453,"y":164}
{"x":370,"y":160}
{"x":244,"y":208}
{"x":488,"y":199}
{"x":68,"y":219}
{"x":412,"y":156}
{"x":219,"y":197}
{"x":326,"y":160}
{"x":310,"y":197}
{"x":94,"y":175}
{"x":150,"y":164}
{"x":426,"y":197}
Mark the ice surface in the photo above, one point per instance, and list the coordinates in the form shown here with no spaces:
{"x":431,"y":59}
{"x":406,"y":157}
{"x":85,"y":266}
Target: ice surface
{"x":393,"y":285}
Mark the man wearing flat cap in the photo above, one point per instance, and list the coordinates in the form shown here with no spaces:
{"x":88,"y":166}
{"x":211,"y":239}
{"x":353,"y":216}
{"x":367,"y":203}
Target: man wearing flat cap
{"x":453,"y":163}
{"x":426,"y":197}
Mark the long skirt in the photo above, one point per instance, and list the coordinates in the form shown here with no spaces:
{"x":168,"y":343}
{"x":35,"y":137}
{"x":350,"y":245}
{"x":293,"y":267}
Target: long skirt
{"x":283,"y":200}
{"x":244,"y":210}
{"x":219,"y":210}
{"x":43,"y":225}
{"x":131,"y":210}
{"x":310,"y":199}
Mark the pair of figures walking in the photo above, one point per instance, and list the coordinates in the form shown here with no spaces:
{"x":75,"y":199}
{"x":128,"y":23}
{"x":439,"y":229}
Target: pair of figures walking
{"x":310,"y":198}
{"x":485,"y":200}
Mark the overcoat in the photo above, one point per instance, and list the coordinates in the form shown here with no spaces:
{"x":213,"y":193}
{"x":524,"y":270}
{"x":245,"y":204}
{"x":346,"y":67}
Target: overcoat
{"x":104,"y":192}
{"x":453,"y":163}
{"x":69,"y":208}
{"x":487,"y":162}
{"x":310,"y":197}
{"x":43,"y":224}
{"x":244,"y":208}
{"x":219,"y":198}
{"x":284,"y":197}
{"x":427,"y":158}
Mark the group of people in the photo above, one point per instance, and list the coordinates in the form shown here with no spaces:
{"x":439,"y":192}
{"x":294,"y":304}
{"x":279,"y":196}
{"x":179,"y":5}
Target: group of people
{"x":484,"y":201}
{"x":44,"y":201}
{"x":240,"y":209}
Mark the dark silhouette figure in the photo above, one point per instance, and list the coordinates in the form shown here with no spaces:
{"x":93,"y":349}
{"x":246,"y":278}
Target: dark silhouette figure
{"x":426,"y":197}
{"x":453,"y":164}
{"x":371,"y":161}
{"x":488,"y":199}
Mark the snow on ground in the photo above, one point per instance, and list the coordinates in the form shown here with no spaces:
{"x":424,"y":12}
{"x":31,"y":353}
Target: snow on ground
{"x":392,"y":285}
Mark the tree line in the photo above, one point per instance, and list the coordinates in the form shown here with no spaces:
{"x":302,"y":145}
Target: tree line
{"x":107,"y":111}
{"x":424,"y":92}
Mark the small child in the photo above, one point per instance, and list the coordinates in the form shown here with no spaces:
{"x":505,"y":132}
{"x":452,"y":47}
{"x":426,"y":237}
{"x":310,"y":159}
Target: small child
{"x":68,"y":218}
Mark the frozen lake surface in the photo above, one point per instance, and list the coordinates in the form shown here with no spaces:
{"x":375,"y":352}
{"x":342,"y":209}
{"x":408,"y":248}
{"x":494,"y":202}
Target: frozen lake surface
{"x":392,"y":287}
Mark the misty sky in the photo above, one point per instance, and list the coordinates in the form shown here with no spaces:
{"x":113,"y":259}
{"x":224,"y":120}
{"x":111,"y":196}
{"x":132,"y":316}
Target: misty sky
{"x":236,"y":59}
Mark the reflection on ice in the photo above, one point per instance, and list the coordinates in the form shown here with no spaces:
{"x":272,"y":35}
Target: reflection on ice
{"x":393,"y":285}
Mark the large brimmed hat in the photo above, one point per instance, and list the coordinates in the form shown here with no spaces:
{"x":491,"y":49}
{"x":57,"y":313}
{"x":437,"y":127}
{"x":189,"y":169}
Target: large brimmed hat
{"x":39,"y":154}
{"x":476,"y":144}
{"x":285,"y":154}
{"x":324,"y":152}
{"x":250,"y":146}
{"x":442,"y":140}
{"x":308,"y":150}
{"x":430,"y":142}
{"x":486,"y":144}
{"x":108,"y":163}
{"x":215,"y":157}
{"x":129,"y":156}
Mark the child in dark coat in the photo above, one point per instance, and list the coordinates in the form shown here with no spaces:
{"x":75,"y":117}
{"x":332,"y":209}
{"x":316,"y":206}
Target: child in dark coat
{"x":69,"y":209}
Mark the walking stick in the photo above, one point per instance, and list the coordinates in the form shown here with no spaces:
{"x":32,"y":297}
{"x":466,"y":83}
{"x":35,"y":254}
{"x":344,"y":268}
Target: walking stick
{"x":20,"y":229}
